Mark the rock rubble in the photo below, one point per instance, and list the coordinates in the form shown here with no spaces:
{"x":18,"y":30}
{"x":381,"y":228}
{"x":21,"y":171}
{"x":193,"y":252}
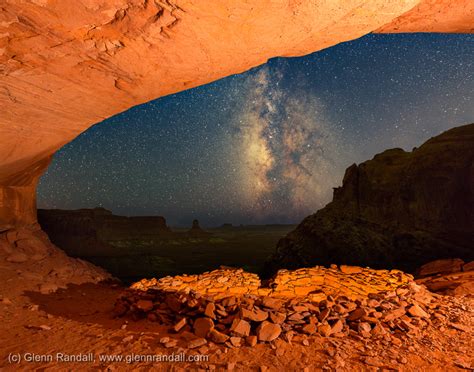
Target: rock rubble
{"x":229,"y":307}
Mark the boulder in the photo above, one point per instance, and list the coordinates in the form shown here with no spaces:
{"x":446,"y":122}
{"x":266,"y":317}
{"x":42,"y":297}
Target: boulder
{"x":240,"y":327}
{"x":255,"y":315}
{"x":251,"y":340}
{"x":272,"y":303}
{"x":337,"y":327}
{"x":416,"y":310}
{"x":324,"y":330}
{"x":209,"y":311}
{"x":202,"y":326}
{"x":309,"y":329}
{"x":357,"y":314}
{"x":217,"y":337}
{"x":236,"y":341}
{"x":267,"y":331}
{"x":277,"y":318}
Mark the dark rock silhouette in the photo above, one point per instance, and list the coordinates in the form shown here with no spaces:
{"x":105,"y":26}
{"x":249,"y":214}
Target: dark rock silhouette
{"x":89,"y":230}
{"x":196,"y":230}
{"x":398,"y":210}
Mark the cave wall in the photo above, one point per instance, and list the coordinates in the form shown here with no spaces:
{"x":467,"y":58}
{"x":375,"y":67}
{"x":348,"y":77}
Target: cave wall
{"x":66,"y":64}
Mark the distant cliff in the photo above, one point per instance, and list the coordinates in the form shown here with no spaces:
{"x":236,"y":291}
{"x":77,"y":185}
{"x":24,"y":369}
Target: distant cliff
{"x":89,"y":231}
{"x":399,"y":210}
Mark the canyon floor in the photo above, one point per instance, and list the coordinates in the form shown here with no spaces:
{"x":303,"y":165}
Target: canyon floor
{"x":47,"y":307}
{"x":78,"y":320}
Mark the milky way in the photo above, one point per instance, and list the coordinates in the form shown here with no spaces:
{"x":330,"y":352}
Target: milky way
{"x":268,"y":145}
{"x":287,"y":151}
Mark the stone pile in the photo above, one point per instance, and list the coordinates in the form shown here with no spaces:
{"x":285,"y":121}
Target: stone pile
{"x":213,"y":307}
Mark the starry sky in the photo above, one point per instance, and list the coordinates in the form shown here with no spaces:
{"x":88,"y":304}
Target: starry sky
{"x":268,"y":145}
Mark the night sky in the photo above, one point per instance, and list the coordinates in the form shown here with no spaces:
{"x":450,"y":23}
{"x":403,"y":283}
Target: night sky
{"x":268,"y":145}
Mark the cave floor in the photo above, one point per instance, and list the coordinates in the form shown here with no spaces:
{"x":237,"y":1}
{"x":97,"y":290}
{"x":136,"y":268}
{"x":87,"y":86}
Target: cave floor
{"x":78,"y":320}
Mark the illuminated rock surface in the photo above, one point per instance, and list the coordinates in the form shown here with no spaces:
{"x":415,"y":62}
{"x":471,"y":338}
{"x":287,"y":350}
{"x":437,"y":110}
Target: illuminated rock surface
{"x":230,"y":307}
{"x":313,"y":283}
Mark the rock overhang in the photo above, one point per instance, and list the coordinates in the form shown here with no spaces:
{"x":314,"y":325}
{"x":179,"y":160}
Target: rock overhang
{"x":67,"y":65}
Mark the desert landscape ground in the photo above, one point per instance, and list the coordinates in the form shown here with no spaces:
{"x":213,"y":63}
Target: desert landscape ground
{"x":347,"y":171}
{"x":163,"y":251}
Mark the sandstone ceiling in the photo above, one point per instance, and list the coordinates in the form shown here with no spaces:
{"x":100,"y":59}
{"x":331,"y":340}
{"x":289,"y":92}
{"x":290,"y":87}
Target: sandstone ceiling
{"x":68,"y":64}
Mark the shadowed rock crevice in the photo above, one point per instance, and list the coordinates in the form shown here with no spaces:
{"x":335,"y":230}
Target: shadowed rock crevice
{"x":398,"y":210}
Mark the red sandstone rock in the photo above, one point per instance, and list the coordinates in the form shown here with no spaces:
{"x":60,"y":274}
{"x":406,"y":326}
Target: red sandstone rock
{"x":441,"y":267}
{"x":417,"y":311}
{"x":217,"y":337}
{"x":240,"y":327}
{"x":337,"y":327}
{"x":198,"y":342}
{"x":350,"y":269}
{"x":17,"y":257}
{"x":277,"y":318}
{"x":202,"y":326}
{"x":324,"y":314}
{"x":236,"y":341}
{"x":357,"y":314}
{"x":394,"y":314}
{"x":400,"y":311}
{"x":309,"y":329}
{"x":324,"y":330}
{"x":436,"y":218}
{"x":267,"y":331}
{"x":272,"y":303}
{"x":468,"y":266}
{"x":251,"y":340}
{"x":144,"y":305}
{"x":255,"y":315}
{"x":209,"y":312}
{"x":178,"y":326}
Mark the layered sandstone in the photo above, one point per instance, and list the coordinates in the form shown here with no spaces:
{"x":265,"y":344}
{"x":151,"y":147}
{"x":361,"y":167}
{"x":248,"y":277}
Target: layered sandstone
{"x":400,"y":209}
{"x":66,"y":65}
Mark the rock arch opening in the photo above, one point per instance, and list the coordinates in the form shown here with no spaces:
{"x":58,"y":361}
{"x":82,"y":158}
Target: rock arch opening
{"x":66,"y":65}
{"x":261,"y":151}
